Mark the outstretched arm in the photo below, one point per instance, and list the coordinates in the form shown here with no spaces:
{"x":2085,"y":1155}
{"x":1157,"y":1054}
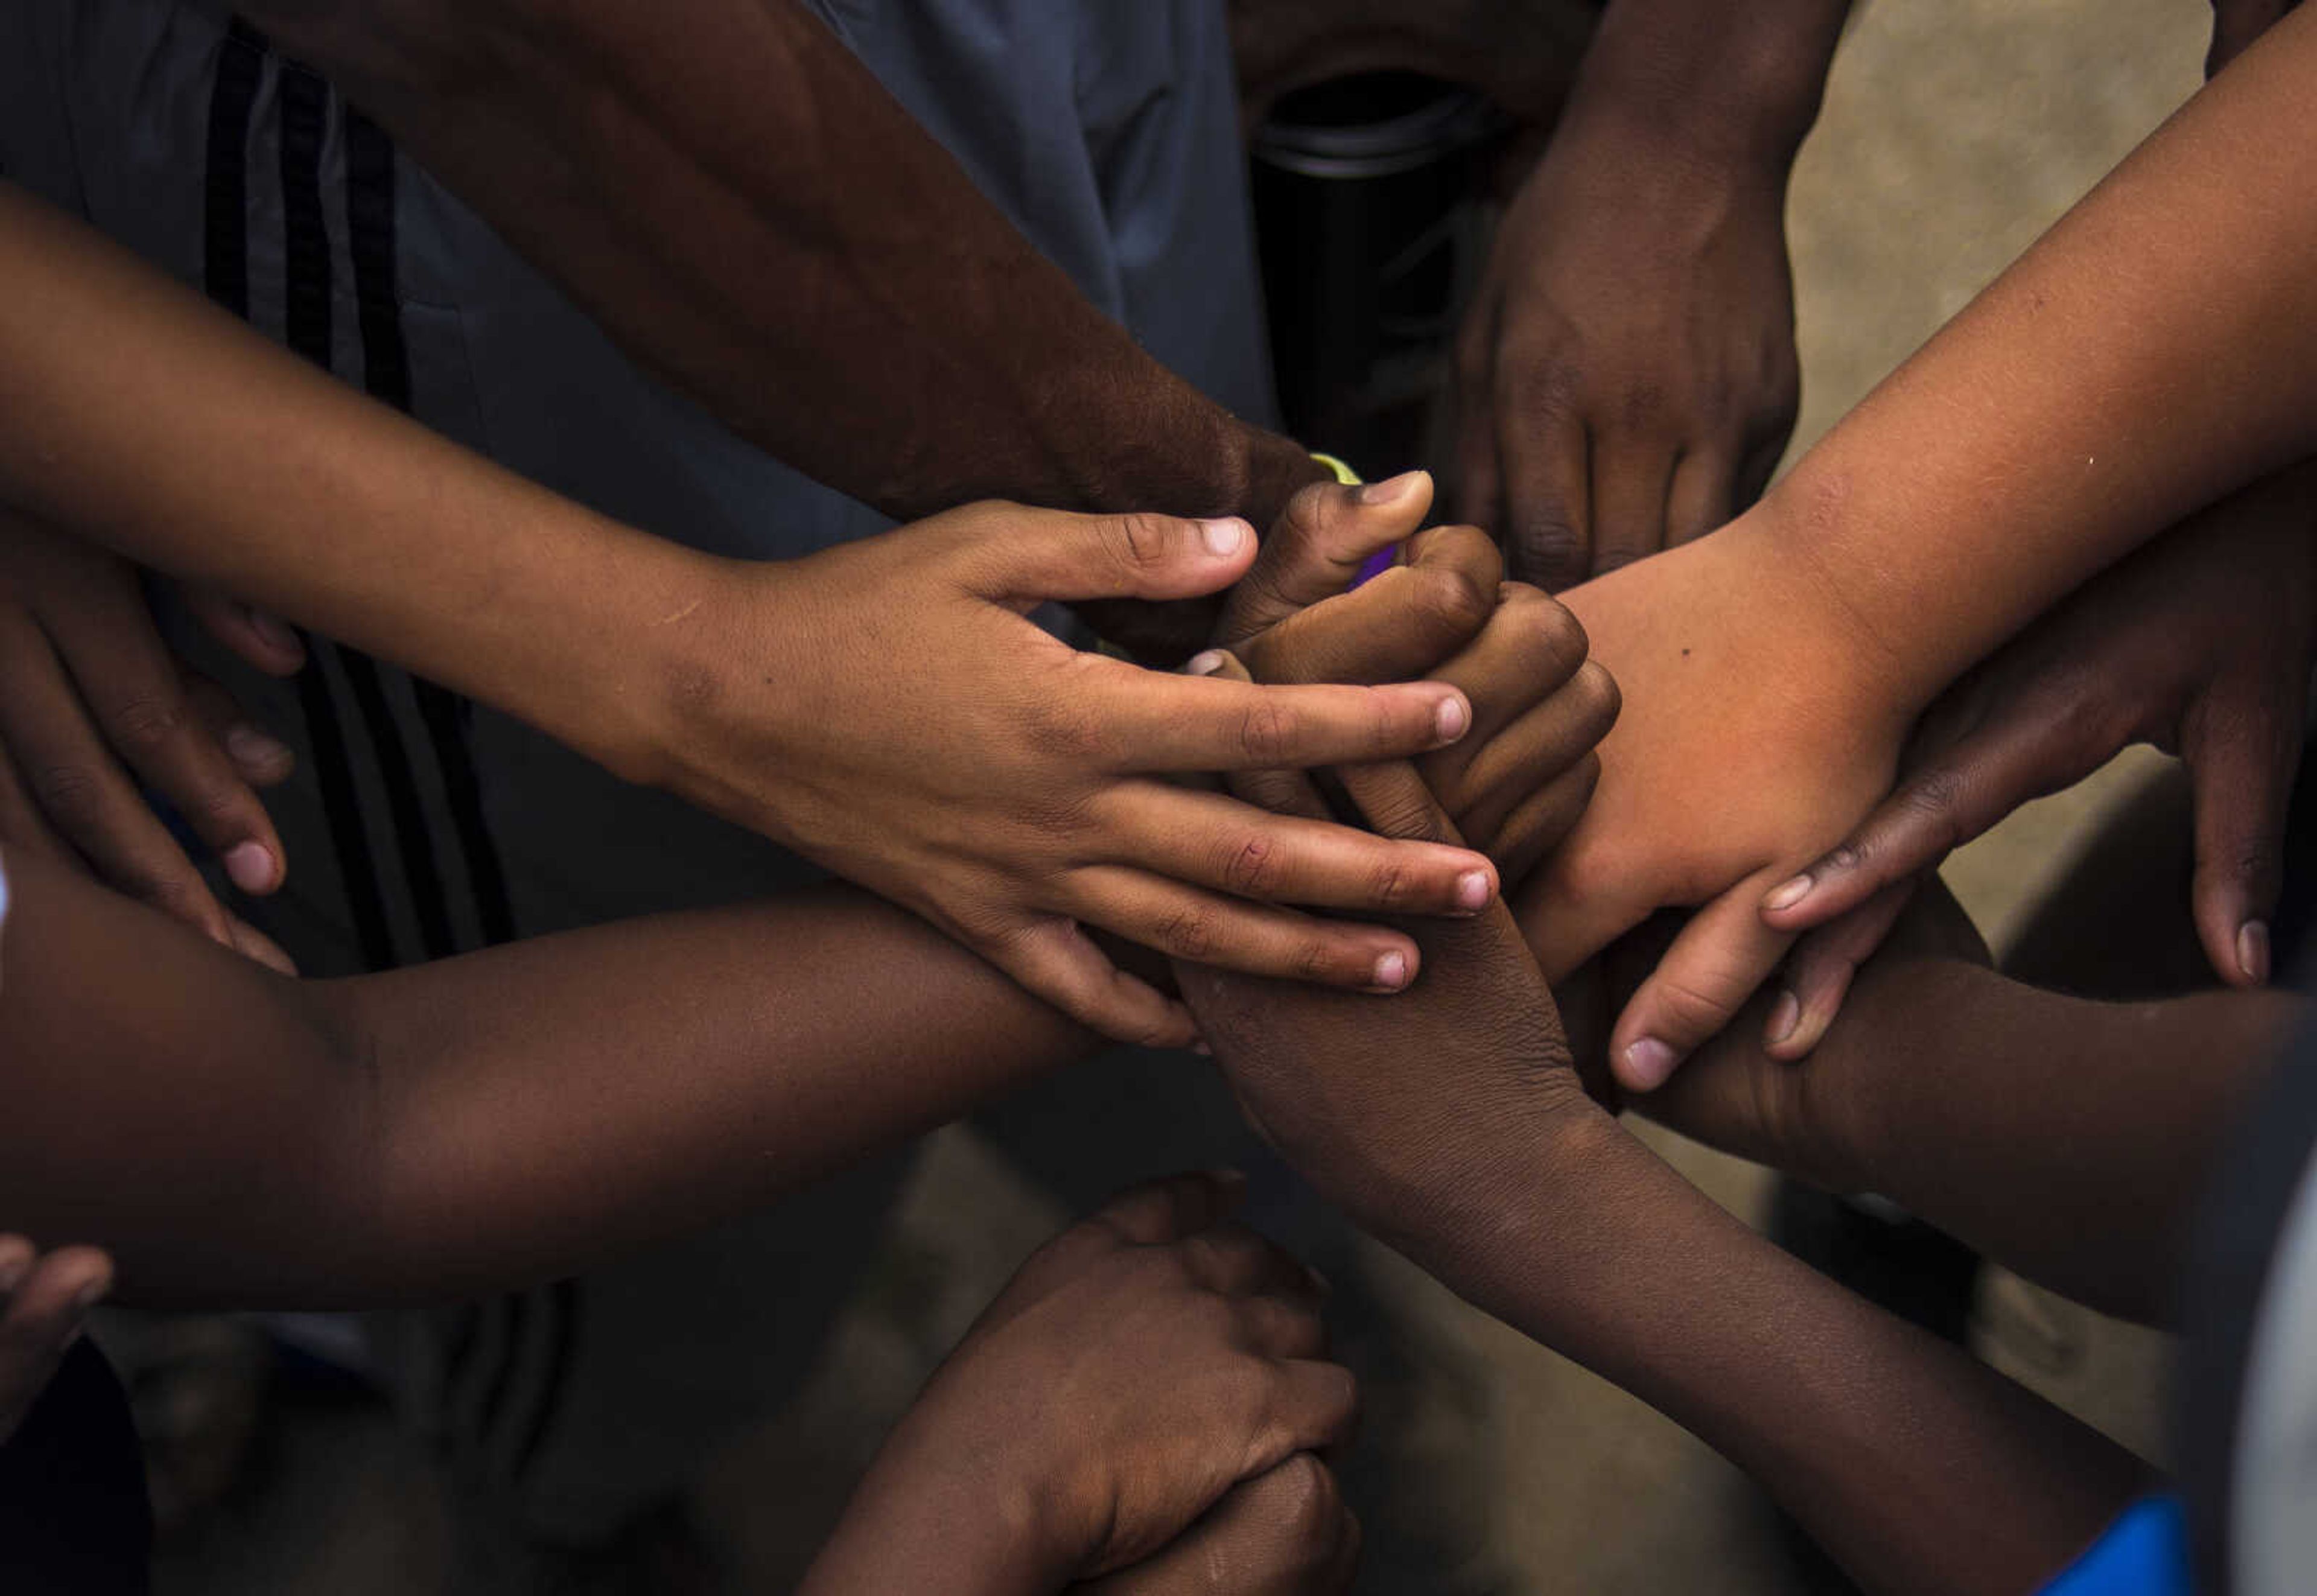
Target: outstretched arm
{"x":2067,"y":1139}
{"x":1451,"y":1122}
{"x":735,"y":198}
{"x":236,"y":1138}
{"x":885,"y":708}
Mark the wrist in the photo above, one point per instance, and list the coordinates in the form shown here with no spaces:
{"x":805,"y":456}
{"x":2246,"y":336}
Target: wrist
{"x":1731,"y":88}
{"x":945,"y":1518}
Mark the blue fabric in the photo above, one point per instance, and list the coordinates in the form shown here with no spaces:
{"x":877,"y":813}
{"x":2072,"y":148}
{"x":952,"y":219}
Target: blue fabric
{"x":2144,"y":1553}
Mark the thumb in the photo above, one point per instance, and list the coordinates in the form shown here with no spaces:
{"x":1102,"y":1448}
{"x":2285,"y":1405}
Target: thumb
{"x":1320,"y":543}
{"x":1069,"y":559}
{"x":1721,"y":956}
{"x":2240,"y":767}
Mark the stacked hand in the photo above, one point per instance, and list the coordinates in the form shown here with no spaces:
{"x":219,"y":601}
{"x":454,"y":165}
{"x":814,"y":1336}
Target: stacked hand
{"x":96,"y":704}
{"x":888,"y":709}
{"x":2201,"y":643}
{"x":1143,"y":1403}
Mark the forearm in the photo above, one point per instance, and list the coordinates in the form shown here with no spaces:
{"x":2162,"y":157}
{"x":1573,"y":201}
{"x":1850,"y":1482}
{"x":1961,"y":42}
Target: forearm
{"x":140,"y":416}
{"x":740,"y":204}
{"x":1719,"y":82}
{"x":1918,"y":1468}
{"x":2156,"y":350}
{"x":236,"y":1139}
{"x":2068,"y":1140}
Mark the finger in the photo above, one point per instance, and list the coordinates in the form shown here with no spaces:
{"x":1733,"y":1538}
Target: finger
{"x":1631,"y":476}
{"x":263,"y":641}
{"x":1547,"y":526}
{"x":1396,"y":803}
{"x":1700,"y":497}
{"x":1530,"y":649}
{"x":1159,"y":1212}
{"x":1312,"y":1405}
{"x":43,"y":1315}
{"x":1400,"y":625}
{"x":1207,"y":839}
{"x":259,"y":758}
{"x":1319,"y":544}
{"x":1279,"y":1325}
{"x":136,"y":694}
{"x":1938,"y":808}
{"x":1520,"y":841}
{"x":1818,"y":971}
{"x":1547,"y":742}
{"x":1479,"y":494}
{"x":1280,"y":792}
{"x":256,"y":945}
{"x":1043,"y":555}
{"x":1199,"y":721}
{"x":2241,"y":763}
{"x":1057,"y":961}
{"x":1255,"y":939}
{"x":1722,"y":954}
{"x":84,"y":794}
{"x":1286,"y":1532}
{"x":1236,"y":1261}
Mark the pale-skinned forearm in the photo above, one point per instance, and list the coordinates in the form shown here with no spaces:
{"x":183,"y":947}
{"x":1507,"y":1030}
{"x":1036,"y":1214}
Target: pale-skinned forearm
{"x":2155,"y":351}
{"x":237,"y":1139}
{"x":740,"y":204}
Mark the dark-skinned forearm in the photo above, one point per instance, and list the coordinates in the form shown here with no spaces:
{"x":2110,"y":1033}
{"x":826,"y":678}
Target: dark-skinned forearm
{"x":740,"y":204}
{"x":237,"y":1139}
{"x":1918,"y":1468}
{"x":1723,"y":79}
{"x":2068,"y":1140}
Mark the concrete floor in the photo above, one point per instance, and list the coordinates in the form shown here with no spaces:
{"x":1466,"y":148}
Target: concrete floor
{"x":1955,"y":131}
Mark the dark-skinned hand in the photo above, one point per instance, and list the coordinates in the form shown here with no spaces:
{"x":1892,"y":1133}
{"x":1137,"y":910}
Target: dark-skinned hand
{"x":1139,"y":1370}
{"x":94,"y":705}
{"x":2201,"y":643}
{"x":1627,"y":378}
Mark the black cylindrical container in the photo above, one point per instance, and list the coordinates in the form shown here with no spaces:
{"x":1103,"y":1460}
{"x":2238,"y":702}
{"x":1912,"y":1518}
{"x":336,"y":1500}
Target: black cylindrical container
{"x":1371,"y":217}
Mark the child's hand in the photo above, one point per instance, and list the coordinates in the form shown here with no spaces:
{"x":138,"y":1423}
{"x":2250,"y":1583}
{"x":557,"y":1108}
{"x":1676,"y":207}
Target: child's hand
{"x":1137,"y":1367}
{"x":888,"y":709}
{"x":44,"y":1302}
{"x":2201,"y":642}
{"x":1517,"y":783}
{"x":1285,"y":1533}
{"x":94,"y":705}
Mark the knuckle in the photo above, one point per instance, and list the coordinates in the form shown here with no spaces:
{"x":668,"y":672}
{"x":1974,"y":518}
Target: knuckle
{"x":1549,"y":547}
{"x":1390,"y":885}
{"x":71,"y":795}
{"x":1602,"y":699}
{"x":1253,"y":869}
{"x":1188,"y":933}
{"x":1454,"y":601}
{"x":1304,"y":1497}
{"x":1267,"y":732}
{"x":148,"y":722}
{"x":1142,"y":540}
{"x":1558,"y":638}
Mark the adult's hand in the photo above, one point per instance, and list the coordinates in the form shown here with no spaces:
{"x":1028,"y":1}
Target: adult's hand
{"x":1627,"y":378}
{"x":2201,"y":643}
{"x":94,"y":704}
{"x":887,"y":709}
{"x":1285,"y":1533}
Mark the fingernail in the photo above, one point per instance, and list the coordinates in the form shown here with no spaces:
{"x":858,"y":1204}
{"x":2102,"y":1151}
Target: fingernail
{"x":251,"y":866}
{"x":1648,"y":1062}
{"x":1785,"y":1014}
{"x":1206,"y":664}
{"x":1452,"y":718}
{"x":249,"y":746}
{"x":2252,"y":951}
{"x":1787,"y":894}
{"x":1199,"y":1045}
{"x":1392,"y":972}
{"x":1225,"y":538}
{"x":1473,"y":891}
{"x":92,"y":1294}
{"x":1392,"y":491}
{"x":275,"y":631}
